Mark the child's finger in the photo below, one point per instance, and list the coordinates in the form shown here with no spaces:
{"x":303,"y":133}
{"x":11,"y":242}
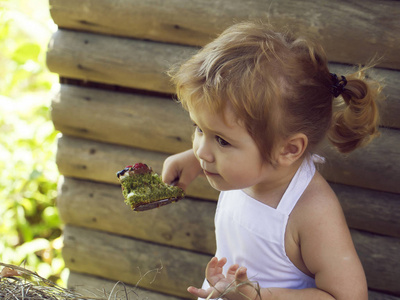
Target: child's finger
{"x":212,"y":264}
{"x":198,"y":292}
{"x":215,"y":266}
{"x":232,"y":270}
{"x":222,"y":262}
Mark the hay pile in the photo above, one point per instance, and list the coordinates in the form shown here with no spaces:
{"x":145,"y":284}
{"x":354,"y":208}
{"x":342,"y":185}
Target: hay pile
{"x":17,"y":283}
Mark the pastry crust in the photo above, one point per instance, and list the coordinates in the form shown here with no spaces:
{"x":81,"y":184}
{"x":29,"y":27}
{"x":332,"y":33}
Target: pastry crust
{"x":143,"y":189}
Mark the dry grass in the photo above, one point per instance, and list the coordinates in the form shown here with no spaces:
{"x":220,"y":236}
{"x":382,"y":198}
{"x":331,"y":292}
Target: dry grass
{"x":18,"y":283}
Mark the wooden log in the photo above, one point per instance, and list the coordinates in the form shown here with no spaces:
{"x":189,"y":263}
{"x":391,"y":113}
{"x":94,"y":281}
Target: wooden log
{"x":118,"y":258}
{"x":99,"y":162}
{"x":373,"y":295}
{"x":351,"y":31}
{"x":91,"y":285}
{"x":143,"y":65}
{"x":147,"y":122}
{"x":187,"y":224}
{"x":375,"y":166}
{"x":150,"y":266}
{"x":380,"y":257}
{"x":106,"y":59}
{"x":370,"y":210}
{"x":98,"y":288}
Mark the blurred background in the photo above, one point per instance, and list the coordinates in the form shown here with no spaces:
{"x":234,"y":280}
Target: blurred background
{"x":30,"y":233}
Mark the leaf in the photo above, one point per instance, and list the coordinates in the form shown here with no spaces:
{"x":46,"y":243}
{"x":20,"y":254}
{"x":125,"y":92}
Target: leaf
{"x":26,"y":52}
{"x":8,"y":272}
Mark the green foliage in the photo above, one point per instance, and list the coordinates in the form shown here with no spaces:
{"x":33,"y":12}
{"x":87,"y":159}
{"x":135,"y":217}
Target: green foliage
{"x":29,"y":222}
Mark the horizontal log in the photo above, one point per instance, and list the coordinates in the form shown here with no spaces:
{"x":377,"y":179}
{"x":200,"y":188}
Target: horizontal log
{"x":371,"y":27}
{"x":99,"y":162}
{"x":187,"y":224}
{"x":370,"y":210}
{"x":380,"y":257}
{"x":143,"y":65}
{"x":153,"y":267}
{"x":90,"y":285}
{"x":81,"y":112}
{"x":95,"y":287}
{"x":106,"y":59}
{"x":375,"y":166}
{"x":172,"y":270}
{"x":147,"y":122}
{"x":373,"y":295}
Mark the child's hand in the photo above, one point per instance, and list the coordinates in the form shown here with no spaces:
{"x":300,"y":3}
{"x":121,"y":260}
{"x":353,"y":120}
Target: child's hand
{"x":235,"y":285}
{"x":181,"y":169}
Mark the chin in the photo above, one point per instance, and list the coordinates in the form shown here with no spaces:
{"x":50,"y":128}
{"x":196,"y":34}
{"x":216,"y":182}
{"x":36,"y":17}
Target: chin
{"x":221,"y":186}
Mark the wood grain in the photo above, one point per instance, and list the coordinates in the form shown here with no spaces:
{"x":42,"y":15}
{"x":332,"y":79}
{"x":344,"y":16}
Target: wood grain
{"x":96,"y":287}
{"x":187,"y":224}
{"x":118,"y":258}
{"x":96,"y":161}
{"x":351,"y":31}
{"x":380,"y":257}
{"x":150,"y":266}
{"x":121,"y":61}
{"x":148,"y":122}
{"x":369,"y":210}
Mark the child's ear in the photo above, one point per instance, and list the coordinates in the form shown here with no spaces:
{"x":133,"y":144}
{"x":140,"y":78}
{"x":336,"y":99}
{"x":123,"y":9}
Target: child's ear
{"x":292,"y":149}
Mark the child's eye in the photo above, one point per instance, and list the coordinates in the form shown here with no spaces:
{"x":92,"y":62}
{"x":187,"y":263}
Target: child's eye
{"x":197,"y":128}
{"x":221,"y":141}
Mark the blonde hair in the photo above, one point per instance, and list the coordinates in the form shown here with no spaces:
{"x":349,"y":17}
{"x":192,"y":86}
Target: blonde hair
{"x":277,"y":85}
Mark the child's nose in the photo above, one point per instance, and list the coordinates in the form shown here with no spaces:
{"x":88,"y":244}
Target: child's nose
{"x":204,"y":152}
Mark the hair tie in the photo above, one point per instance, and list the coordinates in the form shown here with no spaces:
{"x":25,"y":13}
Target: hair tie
{"x":338,"y":85}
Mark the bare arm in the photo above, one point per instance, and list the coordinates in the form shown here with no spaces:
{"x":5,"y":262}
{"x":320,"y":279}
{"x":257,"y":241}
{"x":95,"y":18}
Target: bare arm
{"x":181,"y":169}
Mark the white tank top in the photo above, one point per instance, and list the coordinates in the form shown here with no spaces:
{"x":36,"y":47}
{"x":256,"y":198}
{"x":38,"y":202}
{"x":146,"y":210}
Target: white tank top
{"x":252,"y":234}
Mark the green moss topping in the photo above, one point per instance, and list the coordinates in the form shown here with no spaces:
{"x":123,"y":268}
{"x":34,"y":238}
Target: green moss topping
{"x":146,"y":188}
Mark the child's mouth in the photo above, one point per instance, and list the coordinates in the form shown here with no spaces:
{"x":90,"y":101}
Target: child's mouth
{"x":209,"y":173}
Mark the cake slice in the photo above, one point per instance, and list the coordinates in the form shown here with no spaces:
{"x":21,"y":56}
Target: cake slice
{"x":143,"y":189}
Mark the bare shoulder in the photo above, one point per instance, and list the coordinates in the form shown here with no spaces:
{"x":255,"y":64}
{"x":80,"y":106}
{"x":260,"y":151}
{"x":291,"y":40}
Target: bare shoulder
{"x":318,"y":217}
{"x":317,"y":203}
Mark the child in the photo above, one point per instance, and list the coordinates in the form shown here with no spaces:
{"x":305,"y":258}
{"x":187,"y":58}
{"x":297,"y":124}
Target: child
{"x":261,"y":102}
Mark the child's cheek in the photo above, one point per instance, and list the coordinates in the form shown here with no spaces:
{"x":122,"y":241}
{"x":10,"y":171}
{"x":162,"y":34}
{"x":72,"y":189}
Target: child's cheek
{"x":195,"y":146}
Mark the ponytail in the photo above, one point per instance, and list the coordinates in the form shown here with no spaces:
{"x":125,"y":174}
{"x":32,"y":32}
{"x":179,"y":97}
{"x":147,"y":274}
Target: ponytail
{"x":356,"y":121}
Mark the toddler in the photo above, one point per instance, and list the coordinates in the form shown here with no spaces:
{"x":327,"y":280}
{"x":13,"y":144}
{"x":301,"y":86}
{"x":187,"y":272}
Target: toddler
{"x":261,"y":101}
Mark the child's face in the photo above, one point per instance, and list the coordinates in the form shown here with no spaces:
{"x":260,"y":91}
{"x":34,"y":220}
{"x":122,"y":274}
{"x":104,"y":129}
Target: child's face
{"x":227,"y":153}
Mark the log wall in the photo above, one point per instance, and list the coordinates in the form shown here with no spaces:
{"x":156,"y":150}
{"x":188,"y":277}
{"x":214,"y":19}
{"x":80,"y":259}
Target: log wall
{"x":115,"y":106}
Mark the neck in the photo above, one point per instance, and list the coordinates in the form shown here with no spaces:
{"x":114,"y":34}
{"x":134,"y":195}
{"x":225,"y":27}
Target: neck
{"x":271,"y":190}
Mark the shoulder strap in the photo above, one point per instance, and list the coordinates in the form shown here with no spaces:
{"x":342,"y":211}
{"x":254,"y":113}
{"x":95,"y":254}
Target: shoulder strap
{"x":297,"y":186}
